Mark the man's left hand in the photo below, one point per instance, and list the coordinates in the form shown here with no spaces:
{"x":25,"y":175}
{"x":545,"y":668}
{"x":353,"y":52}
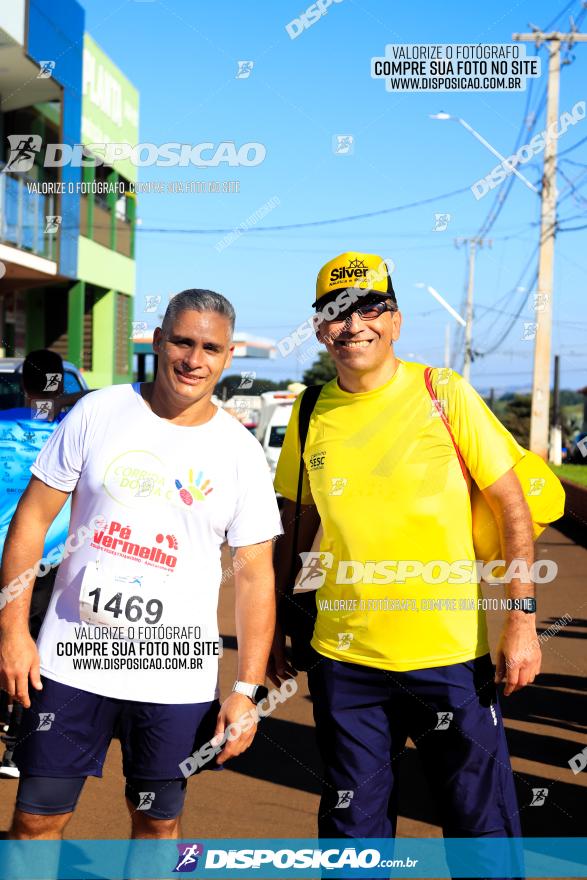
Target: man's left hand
{"x":238,"y":711}
{"x":518,"y":654}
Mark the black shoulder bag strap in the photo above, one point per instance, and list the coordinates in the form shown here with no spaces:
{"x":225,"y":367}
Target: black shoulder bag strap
{"x":307,"y":404}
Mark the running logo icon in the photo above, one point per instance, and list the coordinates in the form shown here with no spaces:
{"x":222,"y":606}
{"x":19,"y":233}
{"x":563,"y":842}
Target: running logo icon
{"x":23,"y":150}
{"x":187,"y":861}
{"x":52,"y":223}
{"x":537,"y":484}
{"x":52,"y":381}
{"x":344,"y":800}
{"x":312,"y":574}
{"x":443,"y":375}
{"x":344,"y":641}
{"x":539,"y":796}
{"x":343,"y":144}
{"x":441,"y":222}
{"x":151,"y":303}
{"x":444,"y":719}
{"x":139,"y":329}
{"x":46,"y":71}
{"x":42,"y":410}
{"x":46,"y":719}
{"x":245,"y":68}
{"x":146,"y":485}
{"x":439,"y":408}
{"x":146,"y":799}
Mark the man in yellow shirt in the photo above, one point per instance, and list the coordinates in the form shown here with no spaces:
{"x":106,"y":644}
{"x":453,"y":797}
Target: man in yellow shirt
{"x":400,"y":639}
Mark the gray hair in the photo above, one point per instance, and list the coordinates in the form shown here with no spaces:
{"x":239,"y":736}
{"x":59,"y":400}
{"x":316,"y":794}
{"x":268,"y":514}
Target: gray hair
{"x":198,"y":301}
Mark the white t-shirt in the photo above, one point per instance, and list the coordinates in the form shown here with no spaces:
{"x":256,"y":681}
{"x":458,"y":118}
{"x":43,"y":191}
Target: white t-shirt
{"x":152,"y":504}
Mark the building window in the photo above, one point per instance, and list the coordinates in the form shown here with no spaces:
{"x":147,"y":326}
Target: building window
{"x":88,"y":329}
{"x":124,"y":213}
{"x":122,"y":333}
{"x":102,"y":173}
{"x":102,"y":214}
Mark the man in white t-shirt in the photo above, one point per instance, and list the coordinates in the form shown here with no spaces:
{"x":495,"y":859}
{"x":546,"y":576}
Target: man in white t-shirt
{"x":159,"y":479}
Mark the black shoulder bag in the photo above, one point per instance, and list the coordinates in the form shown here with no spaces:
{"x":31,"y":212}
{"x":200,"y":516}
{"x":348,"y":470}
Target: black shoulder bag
{"x":297,"y":613}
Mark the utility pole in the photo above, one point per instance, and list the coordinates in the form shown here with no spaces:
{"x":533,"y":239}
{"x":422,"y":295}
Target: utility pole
{"x":539,"y":420}
{"x":472,"y":245}
{"x":555,"y":450}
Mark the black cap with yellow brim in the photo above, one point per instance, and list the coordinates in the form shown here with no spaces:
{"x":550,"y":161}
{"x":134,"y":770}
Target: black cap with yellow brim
{"x":367,"y":272}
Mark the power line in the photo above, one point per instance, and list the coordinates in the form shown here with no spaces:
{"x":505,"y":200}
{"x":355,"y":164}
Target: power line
{"x":499,"y":202}
{"x":570,"y":149}
{"x":571,"y":228}
{"x":559,"y":15}
{"x":515,"y":288}
{"x":313,"y":223}
{"x":509,"y":329}
{"x":502,"y":196}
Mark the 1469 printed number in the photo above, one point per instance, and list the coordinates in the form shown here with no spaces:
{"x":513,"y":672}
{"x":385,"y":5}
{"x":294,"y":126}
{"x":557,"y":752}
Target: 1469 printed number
{"x":133,"y":608}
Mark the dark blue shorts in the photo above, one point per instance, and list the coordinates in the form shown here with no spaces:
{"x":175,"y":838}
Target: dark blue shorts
{"x":363,"y":719}
{"x":66,"y":733}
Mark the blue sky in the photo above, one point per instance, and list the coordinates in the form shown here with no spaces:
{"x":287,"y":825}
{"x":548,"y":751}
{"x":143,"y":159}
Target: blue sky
{"x":182,"y":56}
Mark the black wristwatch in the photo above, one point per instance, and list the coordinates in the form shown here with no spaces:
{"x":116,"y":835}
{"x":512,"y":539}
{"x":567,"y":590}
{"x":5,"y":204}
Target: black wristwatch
{"x":528,"y":606}
{"x":255,"y":692}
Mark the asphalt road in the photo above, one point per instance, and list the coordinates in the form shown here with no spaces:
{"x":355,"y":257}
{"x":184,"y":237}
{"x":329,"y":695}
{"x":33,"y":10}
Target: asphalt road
{"x":273,"y":790}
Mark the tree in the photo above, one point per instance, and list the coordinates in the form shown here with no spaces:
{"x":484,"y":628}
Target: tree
{"x":570,"y":398}
{"x":321,"y":371}
{"x":515,"y":416}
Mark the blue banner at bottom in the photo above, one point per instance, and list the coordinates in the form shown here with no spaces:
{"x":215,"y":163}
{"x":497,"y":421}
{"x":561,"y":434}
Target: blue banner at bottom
{"x":562,"y":857}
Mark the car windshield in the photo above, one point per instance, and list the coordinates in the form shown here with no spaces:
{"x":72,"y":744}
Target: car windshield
{"x":277,"y":435}
{"x":11,"y":393}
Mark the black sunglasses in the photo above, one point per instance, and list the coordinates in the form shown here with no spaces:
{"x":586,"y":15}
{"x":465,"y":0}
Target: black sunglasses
{"x":367,"y":311}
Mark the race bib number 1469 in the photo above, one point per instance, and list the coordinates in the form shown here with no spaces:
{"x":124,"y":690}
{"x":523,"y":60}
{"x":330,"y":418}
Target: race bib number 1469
{"x":111,"y":600}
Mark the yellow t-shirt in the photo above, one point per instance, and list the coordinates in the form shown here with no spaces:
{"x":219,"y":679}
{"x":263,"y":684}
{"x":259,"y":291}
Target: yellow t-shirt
{"x":382,"y":470}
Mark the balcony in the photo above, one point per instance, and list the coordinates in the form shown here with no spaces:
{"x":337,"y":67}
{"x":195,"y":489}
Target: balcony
{"x":101,"y":230}
{"x":23,"y":215}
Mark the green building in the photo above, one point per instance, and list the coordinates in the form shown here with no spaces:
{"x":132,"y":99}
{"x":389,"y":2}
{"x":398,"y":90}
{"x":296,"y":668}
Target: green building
{"x":101,"y":300}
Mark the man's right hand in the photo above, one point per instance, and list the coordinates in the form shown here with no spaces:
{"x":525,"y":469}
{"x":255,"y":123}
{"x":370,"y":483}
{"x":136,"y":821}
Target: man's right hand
{"x":278,"y":666}
{"x":19,"y":661}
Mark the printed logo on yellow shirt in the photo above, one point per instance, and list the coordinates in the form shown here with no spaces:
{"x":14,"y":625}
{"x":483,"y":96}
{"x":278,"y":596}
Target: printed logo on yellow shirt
{"x":317,"y":459}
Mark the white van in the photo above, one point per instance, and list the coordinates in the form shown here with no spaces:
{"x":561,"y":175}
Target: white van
{"x":275,"y":413}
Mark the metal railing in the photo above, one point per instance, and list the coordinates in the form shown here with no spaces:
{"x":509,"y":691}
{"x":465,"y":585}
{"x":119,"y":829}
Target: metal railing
{"x":23,"y":215}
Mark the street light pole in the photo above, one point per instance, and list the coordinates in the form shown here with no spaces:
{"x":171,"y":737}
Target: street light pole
{"x":433,"y":292}
{"x":486,"y":144}
{"x":447,"y":345}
